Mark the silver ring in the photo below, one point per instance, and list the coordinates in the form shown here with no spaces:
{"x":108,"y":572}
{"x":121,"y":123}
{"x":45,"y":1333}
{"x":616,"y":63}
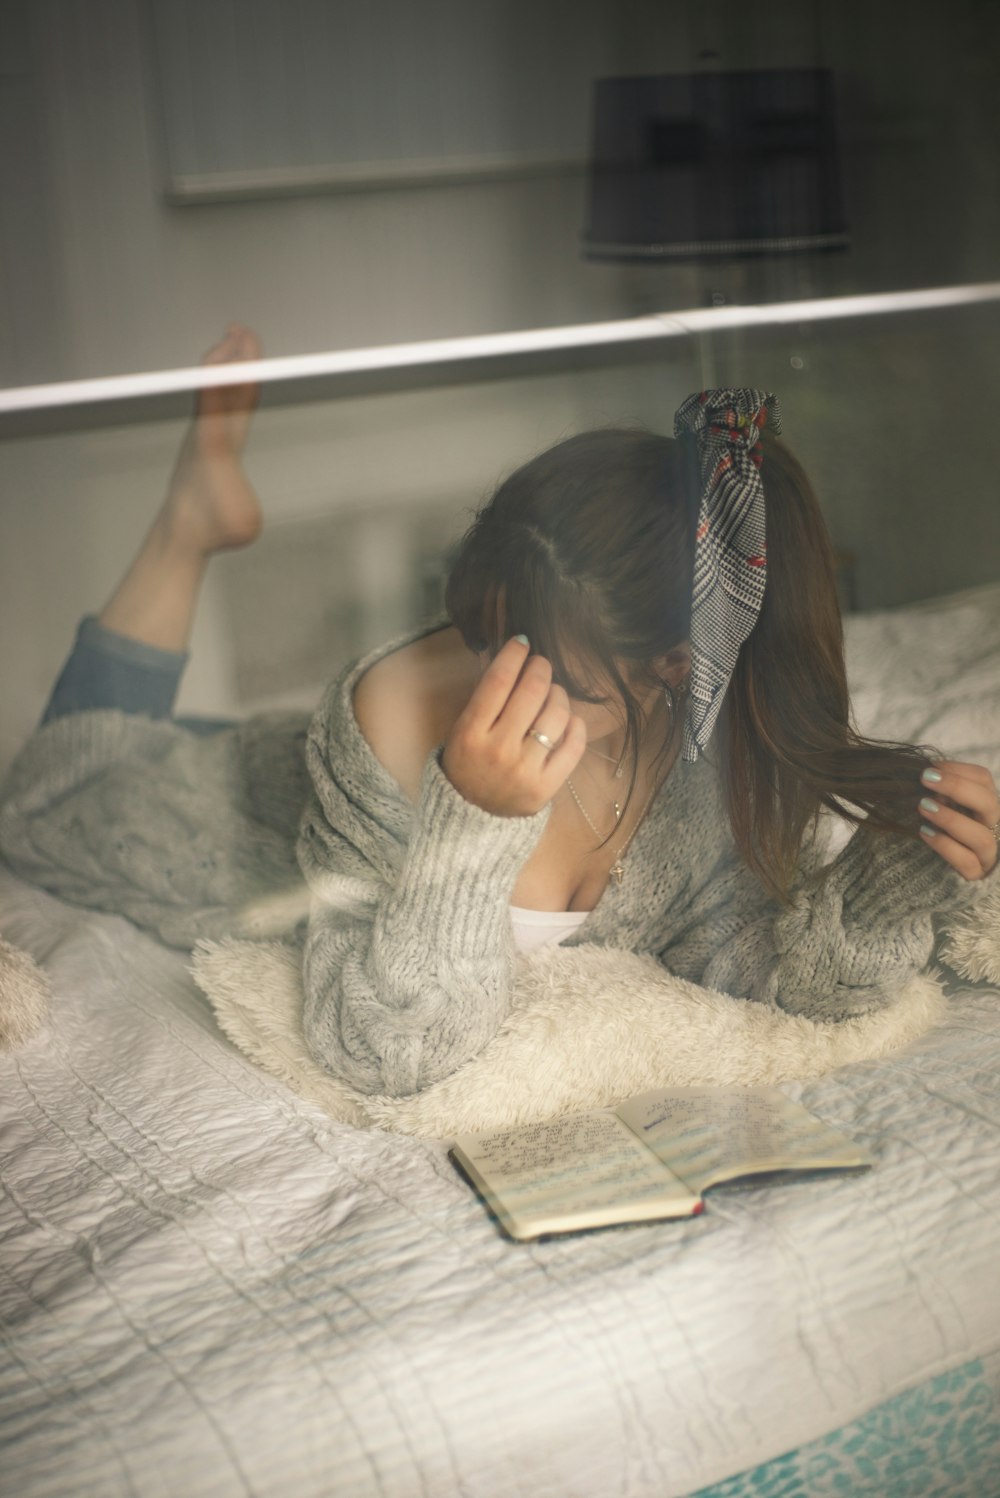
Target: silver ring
{"x":542,"y":738}
{"x":995,"y":829}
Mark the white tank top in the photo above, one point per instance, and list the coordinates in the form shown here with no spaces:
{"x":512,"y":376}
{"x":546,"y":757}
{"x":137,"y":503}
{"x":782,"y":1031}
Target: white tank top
{"x":543,"y":928}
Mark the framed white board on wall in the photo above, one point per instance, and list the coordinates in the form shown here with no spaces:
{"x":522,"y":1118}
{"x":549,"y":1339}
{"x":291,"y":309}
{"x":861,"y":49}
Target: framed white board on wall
{"x":261,"y":98}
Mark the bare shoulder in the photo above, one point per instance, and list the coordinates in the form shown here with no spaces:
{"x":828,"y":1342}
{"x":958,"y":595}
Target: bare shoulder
{"x":405,"y":704}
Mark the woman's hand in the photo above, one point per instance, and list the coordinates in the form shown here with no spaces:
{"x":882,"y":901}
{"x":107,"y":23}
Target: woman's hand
{"x":960,"y":809}
{"x":491,"y":756}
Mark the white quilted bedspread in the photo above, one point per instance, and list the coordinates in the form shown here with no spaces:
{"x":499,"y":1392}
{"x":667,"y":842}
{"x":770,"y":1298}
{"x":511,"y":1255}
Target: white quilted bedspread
{"x":208,"y":1288}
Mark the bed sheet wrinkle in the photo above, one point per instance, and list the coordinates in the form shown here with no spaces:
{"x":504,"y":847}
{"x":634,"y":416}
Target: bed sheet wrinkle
{"x":834,"y":1376}
{"x":597,"y":1319}
{"x":577,"y":1325}
{"x":45,"y":1392}
{"x":644,"y":1320}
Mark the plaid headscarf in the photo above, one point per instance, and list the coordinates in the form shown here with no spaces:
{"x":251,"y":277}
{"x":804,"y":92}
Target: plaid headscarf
{"x":730,"y":554}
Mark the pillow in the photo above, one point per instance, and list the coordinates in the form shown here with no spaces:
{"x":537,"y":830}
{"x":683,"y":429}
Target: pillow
{"x":589,"y":1026}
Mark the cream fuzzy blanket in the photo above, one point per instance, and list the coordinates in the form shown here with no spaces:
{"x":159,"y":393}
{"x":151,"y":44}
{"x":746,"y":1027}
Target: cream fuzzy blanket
{"x":24,"y":996}
{"x":589,"y":1027}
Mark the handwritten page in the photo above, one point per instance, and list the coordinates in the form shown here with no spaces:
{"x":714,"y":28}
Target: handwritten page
{"x":587,"y":1169}
{"x":709,"y":1134}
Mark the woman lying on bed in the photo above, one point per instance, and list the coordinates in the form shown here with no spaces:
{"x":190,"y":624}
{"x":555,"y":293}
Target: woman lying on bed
{"x":595,"y":748}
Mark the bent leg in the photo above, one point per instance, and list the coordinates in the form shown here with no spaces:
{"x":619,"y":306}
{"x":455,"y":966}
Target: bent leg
{"x":131,"y":656}
{"x":210,"y":506}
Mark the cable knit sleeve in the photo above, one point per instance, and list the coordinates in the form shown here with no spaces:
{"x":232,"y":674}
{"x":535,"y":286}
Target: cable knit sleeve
{"x":854,"y":931}
{"x":408,"y":969}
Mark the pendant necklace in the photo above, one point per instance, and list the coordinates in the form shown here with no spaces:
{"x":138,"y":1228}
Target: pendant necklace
{"x":615,"y":804}
{"x":617,"y":870}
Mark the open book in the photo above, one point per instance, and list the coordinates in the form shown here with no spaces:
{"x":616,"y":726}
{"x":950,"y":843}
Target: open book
{"x":651,"y":1157}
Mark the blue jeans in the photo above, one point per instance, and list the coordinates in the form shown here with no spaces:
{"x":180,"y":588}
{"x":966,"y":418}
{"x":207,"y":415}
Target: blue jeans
{"x":105,"y":669}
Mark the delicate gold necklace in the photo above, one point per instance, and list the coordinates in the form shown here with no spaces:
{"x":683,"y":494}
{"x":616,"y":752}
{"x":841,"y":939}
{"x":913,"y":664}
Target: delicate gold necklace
{"x":586,"y":814}
{"x":619,"y":766}
{"x":601,"y":790}
{"x":617,"y":869}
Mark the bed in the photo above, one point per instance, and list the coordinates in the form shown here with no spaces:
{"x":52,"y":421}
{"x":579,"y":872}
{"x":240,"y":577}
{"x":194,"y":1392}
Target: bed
{"x":209,"y":1287}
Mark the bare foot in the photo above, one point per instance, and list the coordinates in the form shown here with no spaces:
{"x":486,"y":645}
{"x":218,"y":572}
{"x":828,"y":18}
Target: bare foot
{"x":210,"y":504}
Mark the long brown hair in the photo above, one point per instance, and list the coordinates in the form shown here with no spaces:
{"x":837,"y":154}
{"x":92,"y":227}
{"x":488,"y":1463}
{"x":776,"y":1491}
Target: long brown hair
{"x":588,"y":550}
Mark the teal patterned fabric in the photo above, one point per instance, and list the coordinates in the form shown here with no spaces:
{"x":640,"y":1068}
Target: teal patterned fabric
{"x":941,"y":1440}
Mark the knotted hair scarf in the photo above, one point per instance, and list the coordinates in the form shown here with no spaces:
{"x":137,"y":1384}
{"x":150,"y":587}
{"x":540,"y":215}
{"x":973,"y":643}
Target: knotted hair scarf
{"x":730,"y":551}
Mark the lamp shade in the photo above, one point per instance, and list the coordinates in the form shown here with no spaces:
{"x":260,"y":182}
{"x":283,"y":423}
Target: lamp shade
{"x":733,"y":163}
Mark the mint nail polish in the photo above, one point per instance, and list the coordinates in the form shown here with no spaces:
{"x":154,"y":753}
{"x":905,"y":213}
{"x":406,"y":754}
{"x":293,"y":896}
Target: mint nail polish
{"x":523,"y":639}
{"x":930,"y":777}
{"x":928,"y":831}
{"x":926,"y":804}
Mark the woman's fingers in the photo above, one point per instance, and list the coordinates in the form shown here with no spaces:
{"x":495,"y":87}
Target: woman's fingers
{"x":961,"y":843}
{"x":549,"y":724}
{"x":567,"y":755}
{"x":964,"y":787}
{"x":960,"y":809}
{"x":531,"y":695}
{"x":495,"y":685}
{"x":511,"y":693}
{"x":516,"y":740}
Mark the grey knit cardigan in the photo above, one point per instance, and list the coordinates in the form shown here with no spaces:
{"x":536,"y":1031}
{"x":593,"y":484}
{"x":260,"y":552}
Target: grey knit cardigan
{"x":408,"y":954}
